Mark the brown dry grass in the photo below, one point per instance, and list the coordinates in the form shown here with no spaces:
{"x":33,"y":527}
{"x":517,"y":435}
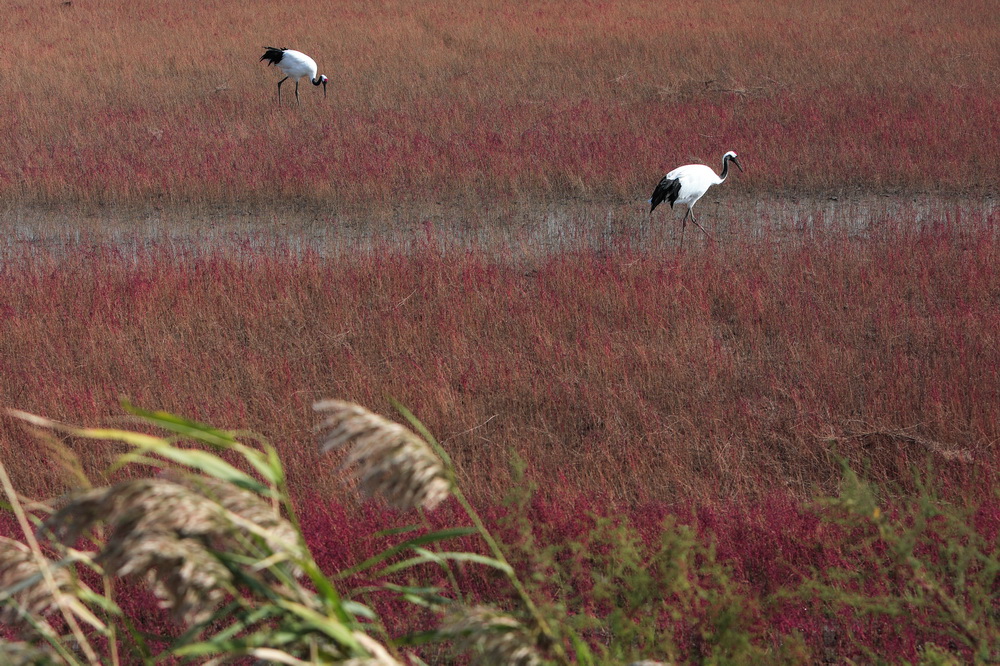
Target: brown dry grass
{"x":131,"y":102}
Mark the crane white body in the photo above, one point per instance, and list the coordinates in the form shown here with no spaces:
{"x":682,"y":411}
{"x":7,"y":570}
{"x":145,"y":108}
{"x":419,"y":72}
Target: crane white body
{"x":294,"y":64}
{"x":687,"y":184}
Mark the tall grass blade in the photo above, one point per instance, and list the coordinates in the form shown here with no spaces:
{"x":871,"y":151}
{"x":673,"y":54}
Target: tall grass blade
{"x":433,"y":537}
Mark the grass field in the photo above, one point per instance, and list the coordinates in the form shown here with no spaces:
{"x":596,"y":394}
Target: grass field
{"x":720,"y":386}
{"x":462,"y":226}
{"x":160,"y":104}
{"x":635,"y":375}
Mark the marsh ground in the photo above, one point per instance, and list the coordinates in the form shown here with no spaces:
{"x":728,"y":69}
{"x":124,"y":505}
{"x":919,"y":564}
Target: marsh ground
{"x":462,"y":226}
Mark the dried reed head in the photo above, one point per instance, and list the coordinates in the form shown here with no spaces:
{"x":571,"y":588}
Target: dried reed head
{"x":187,"y":506}
{"x":167,"y":530}
{"x":391,"y":460}
{"x":245,"y":508}
{"x":491,"y":637}
{"x":183,"y":574}
{"x":23,"y":591}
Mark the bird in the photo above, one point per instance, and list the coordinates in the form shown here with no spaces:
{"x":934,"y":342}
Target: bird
{"x":294,"y":64}
{"x":688,"y":184}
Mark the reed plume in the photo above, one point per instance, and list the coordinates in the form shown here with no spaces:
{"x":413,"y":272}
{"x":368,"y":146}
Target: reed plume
{"x":244,"y":508}
{"x":169,"y":530}
{"x":392,"y":461}
{"x":183,"y":574}
{"x":23,"y":590}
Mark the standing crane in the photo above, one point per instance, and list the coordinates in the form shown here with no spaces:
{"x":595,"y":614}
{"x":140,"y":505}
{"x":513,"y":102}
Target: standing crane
{"x":294,"y":64}
{"x":688,"y":184}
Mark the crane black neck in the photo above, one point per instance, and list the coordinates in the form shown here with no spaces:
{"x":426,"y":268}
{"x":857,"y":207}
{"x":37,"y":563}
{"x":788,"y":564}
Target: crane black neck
{"x":725,"y":167}
{"x":318,"y":80}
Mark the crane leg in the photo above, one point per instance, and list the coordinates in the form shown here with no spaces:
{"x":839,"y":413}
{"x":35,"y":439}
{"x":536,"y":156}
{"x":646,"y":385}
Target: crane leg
{"x":699,"y":226}
{"x":296,"y":91}
{"x":279,"y":89}
{"x":684,"y":224}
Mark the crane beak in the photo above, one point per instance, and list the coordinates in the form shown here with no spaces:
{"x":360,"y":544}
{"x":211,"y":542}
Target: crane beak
{"x":324,"y":89}
{"x":736,"y":160}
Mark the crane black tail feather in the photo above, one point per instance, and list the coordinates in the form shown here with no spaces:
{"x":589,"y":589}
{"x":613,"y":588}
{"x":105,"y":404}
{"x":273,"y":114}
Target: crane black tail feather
{"x":666,"y":190}
{"x":272,"y":55}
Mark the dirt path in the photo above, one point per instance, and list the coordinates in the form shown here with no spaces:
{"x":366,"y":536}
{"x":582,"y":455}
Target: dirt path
{"x":522,"y":228}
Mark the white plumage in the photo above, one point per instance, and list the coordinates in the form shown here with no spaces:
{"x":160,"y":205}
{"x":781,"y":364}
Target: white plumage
{"x":688,"y":184}
{"x":294,"y":64}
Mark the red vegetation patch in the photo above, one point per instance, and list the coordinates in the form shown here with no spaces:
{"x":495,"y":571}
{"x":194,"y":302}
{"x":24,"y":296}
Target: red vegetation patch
{"x":626,"y":374}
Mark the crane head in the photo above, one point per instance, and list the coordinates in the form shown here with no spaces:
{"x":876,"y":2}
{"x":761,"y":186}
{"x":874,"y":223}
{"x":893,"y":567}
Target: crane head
{"x":318,"y":80}
{"x":731,"y":155}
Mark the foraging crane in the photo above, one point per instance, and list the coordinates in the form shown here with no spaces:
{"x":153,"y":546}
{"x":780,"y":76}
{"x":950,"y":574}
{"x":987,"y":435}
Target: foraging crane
{"x":294,"y":64}
{"x":688,"y":184}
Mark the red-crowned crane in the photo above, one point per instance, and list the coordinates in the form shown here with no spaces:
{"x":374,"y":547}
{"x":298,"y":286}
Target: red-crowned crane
{"x":294,"y":64}
{"x":687,"y":184}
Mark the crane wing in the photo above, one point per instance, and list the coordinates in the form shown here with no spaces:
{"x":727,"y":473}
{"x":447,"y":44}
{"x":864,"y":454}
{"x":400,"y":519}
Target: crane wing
{"x":666,"y":190}
{"x":272,"y":55}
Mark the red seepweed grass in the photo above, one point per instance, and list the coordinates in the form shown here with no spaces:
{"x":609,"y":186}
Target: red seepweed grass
{"x":125,"y":102}
{"x":633,"y":375}
{"x":720,"y":385}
